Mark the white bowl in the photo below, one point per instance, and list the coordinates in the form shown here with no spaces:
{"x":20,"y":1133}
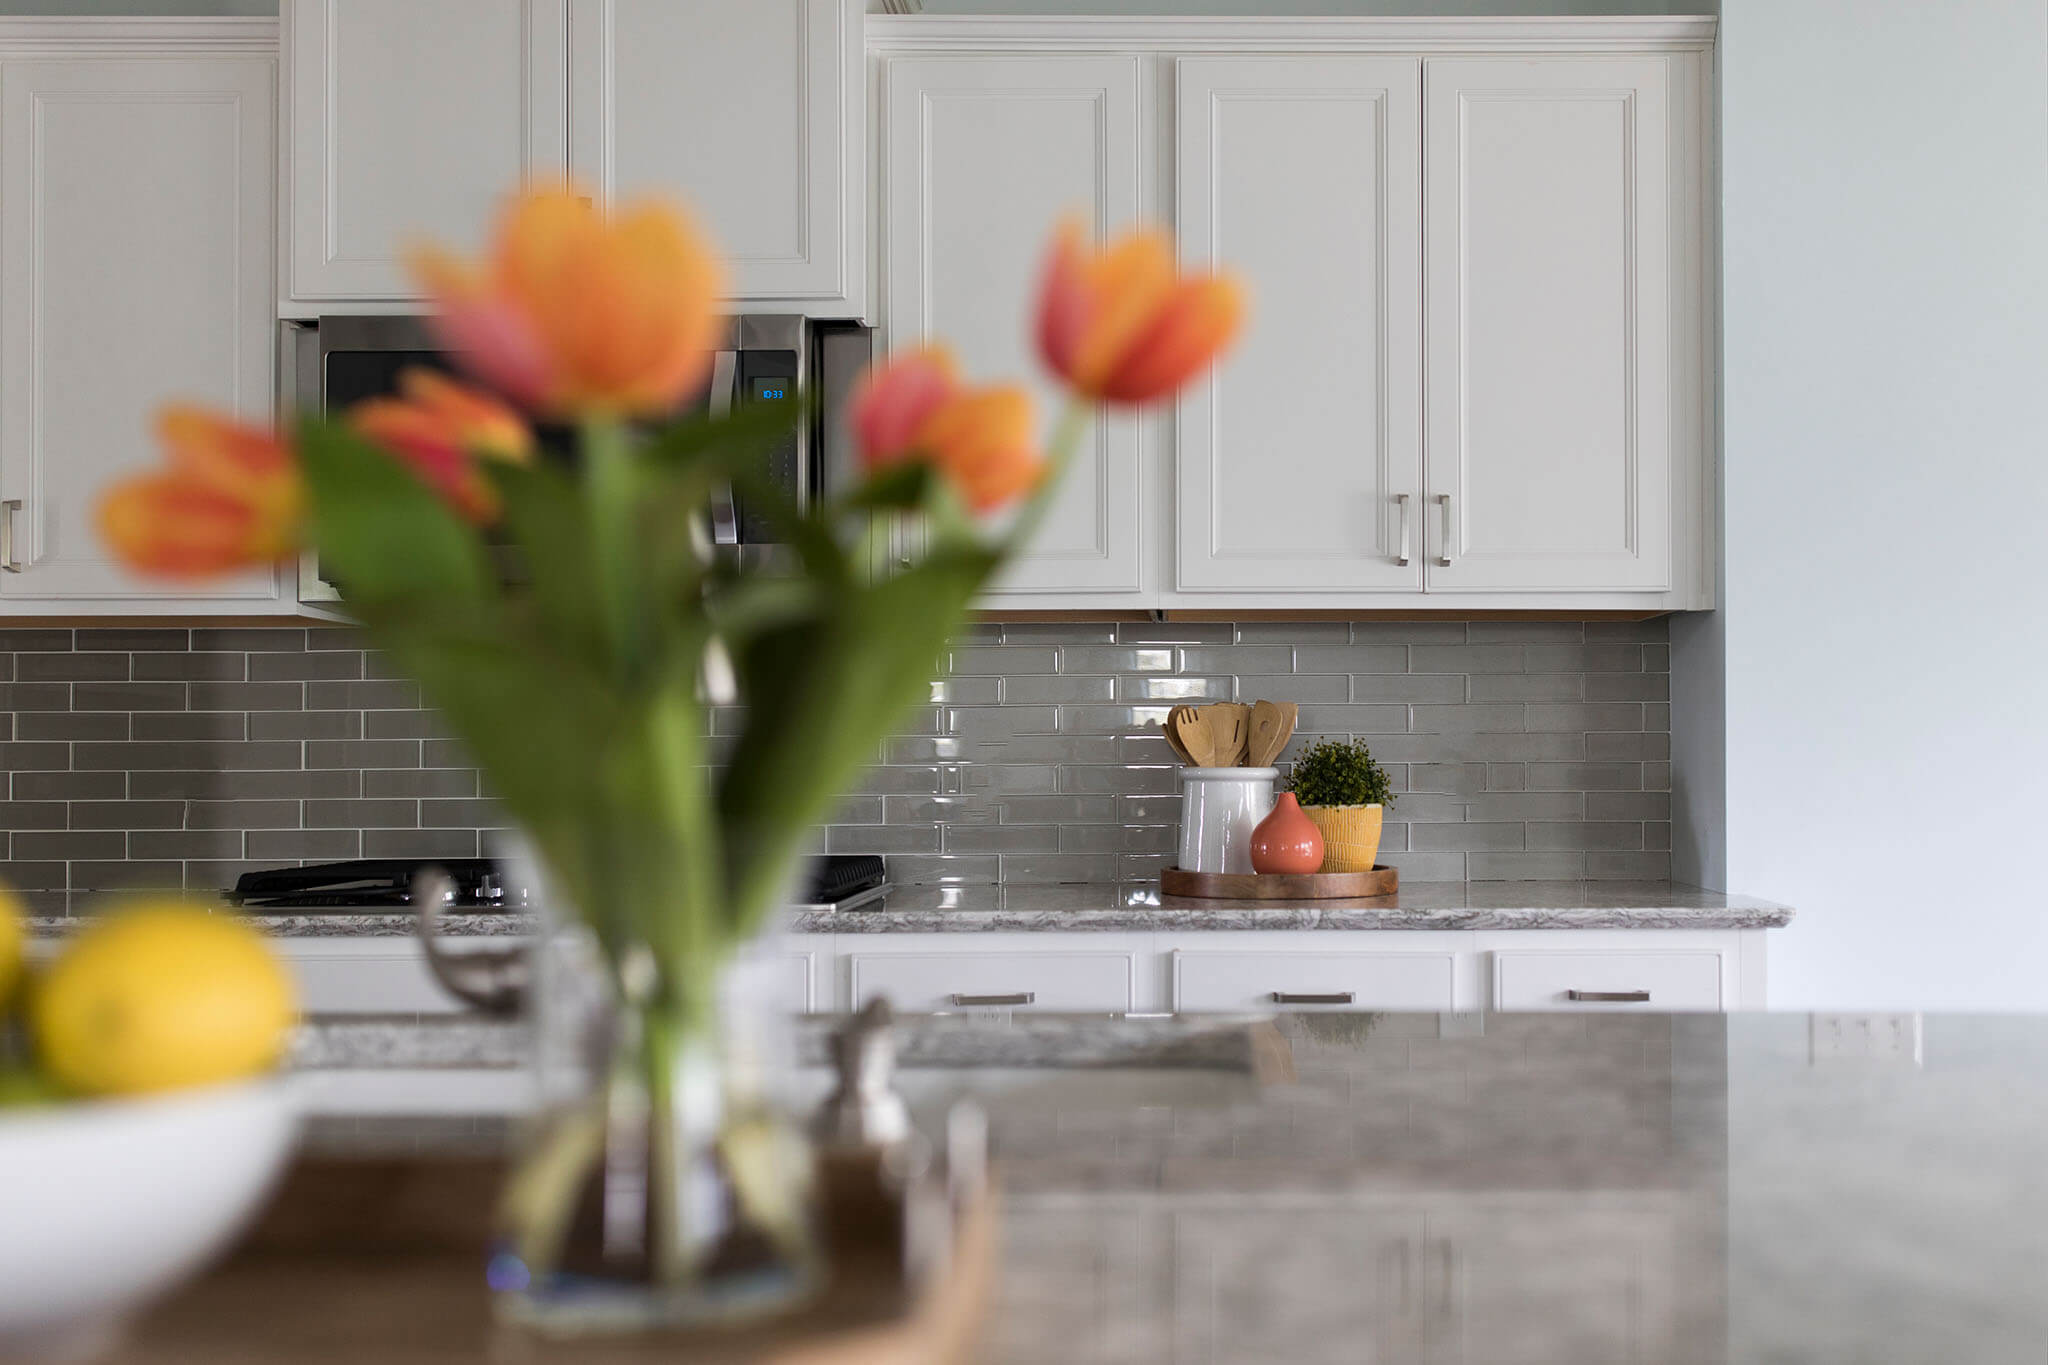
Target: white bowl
{"x":105,"y":1204}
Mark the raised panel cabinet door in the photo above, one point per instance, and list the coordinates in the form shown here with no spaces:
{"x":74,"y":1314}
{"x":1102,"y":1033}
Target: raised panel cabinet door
{"x":984,"y":156}
{"x":412,"y":121}
{"x":749,"y":113}
{"x":1583,"y":1278}
{"x":1300,"y":461}
{"x":136,"y":266}
{"x":1548,"y":422}
{"x":1320,"y":1281}
{"x":1258,"y":980}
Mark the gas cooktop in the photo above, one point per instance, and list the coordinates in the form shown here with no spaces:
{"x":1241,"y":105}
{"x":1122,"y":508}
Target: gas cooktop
{"x":484,"y":886}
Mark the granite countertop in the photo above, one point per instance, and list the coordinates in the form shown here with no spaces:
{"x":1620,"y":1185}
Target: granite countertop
{"x":1139,"y":907}
{"x":1679,"y":1188}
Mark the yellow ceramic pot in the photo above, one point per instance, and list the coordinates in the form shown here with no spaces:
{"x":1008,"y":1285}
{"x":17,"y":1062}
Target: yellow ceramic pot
{"x":1351,"y":836}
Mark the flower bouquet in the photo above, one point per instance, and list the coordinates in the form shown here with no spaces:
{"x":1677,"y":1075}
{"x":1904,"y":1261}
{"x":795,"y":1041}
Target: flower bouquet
{"x":580,"y":684}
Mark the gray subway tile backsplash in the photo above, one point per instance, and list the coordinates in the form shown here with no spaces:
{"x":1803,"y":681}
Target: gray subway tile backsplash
{"x":161,"y":756}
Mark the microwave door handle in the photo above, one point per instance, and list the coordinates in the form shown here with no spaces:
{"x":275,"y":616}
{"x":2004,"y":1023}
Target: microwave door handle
{"x":725,"y":519}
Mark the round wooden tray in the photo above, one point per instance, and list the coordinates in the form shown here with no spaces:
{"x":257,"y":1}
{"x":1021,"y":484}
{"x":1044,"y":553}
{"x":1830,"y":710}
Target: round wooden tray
{"x":1381,"y":881}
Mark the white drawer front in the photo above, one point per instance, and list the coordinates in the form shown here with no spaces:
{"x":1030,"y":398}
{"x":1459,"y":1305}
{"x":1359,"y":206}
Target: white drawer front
{"x":1549,"y":981}
{"x":1266,"y":981}
{"x":919,"y":983}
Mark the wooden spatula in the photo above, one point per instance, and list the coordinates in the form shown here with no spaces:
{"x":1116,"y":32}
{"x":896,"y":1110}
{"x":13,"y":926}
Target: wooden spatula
{"x":1193,"y":733}
{"x":1229,"y":724}
{"x":1180,"y":750}
{"x":1272,"y":725}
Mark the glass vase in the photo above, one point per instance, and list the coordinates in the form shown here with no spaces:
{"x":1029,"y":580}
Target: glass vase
{"x":661,"y":1181}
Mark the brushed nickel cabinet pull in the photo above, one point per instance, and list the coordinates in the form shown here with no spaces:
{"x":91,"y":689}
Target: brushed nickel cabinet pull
{"x":1610,"y":997}
{"x":7,"y":559}
{"x":1013,"y":998}
{"x":1310,"y":998}
{"x":1443,"y":548}
{"x":1401,"y":501}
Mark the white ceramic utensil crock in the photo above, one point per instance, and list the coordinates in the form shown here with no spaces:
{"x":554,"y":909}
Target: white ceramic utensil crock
{"x":1218,"y":809}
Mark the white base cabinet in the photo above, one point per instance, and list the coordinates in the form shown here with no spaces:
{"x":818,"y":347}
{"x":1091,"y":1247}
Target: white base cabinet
{"x":1464,"y":972}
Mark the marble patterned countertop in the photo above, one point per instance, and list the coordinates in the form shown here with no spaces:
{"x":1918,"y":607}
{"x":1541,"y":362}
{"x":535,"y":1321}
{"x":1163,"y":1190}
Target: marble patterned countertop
{"x":1139,"y":907}
{"x":1691,"y":1189}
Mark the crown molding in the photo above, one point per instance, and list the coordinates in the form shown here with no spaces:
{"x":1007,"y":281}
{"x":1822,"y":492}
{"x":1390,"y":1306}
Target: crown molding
{"x":185,"y":35}
{"x":897,"y":33}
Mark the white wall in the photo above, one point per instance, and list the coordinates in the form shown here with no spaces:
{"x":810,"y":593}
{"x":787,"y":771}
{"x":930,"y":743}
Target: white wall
{"x":1885,"y":175}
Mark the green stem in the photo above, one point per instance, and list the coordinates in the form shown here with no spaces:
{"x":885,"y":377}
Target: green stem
{"x":610,"y":492}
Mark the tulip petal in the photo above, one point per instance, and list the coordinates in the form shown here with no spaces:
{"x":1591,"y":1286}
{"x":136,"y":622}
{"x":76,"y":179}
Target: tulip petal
{"x":1128,"y":285}
{"x":175,"y":526}
{"x":894,"y":398}
{"x":981,"y":441}
{"x":1181,"y":340}
{"x":486,"y":333}
{"x":1063,"y":300}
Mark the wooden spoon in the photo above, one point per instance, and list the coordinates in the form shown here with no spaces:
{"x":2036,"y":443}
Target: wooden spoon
{"x":1188,"y":727}
{"x":1229,"y":725}
{"x":1273,"y":725}
{"x":1180,"y":750}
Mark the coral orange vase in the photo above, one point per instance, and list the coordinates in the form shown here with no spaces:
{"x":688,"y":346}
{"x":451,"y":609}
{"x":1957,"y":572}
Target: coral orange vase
{"x":1287,"y":840}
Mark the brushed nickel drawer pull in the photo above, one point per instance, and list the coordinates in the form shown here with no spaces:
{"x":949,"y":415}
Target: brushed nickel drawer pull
{"x":1310,"y":998}
{"x":1610,"y":997}
{"x":1014,"y":998}
{"x":1401,"y":501}
{"x":1443,"y":548}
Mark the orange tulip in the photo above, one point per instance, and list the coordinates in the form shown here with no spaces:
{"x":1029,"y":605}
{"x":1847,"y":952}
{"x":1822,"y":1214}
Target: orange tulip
{"x":575,"y":313}
{"x":231,"y":499}
{"x":1122,"y":325}
{"x":915,"y":406}
{"x":438,"y":427}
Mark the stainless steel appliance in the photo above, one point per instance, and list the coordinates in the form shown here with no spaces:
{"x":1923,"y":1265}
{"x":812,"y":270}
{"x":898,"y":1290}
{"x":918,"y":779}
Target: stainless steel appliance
{"x":336,"y":361}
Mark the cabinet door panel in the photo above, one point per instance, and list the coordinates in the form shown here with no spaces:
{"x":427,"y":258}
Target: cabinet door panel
{"x":1548,"y":1280}
{"x":739,"y":110}
{"x":413,"y":121}
{"x":1321,"y":1283}
{"x":984,"y":155}
{"x":1303,"y":175}
{"x":1550,"y":386}
{"x":136,"y":259}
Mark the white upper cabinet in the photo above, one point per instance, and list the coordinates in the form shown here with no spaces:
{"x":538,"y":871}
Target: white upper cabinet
{"x":984,"y":155}
{"x":136,"y":235}
{"x":1300,"y":461}
{"x":752,"y":113}
{"x":1549,"y":413}
{"x":412,"y":121}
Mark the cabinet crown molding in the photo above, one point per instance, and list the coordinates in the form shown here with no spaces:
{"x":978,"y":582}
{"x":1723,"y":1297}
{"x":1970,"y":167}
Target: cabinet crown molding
{"x":895,"y":33}
{"x":116,"y":35}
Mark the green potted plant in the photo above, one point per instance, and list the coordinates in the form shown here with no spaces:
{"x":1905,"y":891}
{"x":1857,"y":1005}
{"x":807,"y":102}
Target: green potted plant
{"x":1346,"y":792}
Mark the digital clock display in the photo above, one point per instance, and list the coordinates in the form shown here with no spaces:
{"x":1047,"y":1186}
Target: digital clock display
{"x":773,"y":390}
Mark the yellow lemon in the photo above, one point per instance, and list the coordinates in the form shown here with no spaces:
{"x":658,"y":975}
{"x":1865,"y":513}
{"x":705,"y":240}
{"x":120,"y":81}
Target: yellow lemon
{"x":158,"y":997}
{"x":13,"y":946}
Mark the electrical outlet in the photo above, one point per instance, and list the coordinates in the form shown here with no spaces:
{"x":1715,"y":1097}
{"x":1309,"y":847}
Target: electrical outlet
{"x":1869,"y":1037}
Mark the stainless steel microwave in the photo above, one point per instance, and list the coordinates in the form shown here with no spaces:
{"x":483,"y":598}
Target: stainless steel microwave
{"x":329,"y":364}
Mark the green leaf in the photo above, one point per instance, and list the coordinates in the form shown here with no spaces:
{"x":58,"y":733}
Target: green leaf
{"x":897,"y":488}
{"x":719,"y":446}
{"x":820,"y":690}
{"x":384,"y":535}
